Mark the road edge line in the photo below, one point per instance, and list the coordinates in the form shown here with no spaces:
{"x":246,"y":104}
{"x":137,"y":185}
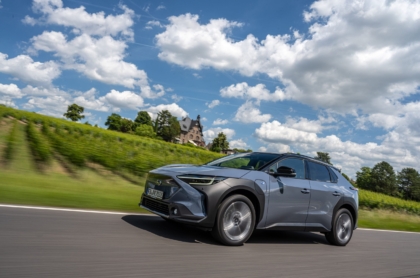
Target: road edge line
{"x":74,"y":210}
{"x":391,"y":231}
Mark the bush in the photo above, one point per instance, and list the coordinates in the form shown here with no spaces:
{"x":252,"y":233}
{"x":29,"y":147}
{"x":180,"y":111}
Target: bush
{"x":11,"y":142}
{"x":373,"y":200}
{"x":39,"y":148}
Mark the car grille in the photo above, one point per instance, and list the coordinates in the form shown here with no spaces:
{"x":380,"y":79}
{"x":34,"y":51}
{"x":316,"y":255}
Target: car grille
{"x":155,"y":206}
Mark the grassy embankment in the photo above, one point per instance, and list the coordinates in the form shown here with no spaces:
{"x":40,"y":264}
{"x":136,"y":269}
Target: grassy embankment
{"x":53,"y":162}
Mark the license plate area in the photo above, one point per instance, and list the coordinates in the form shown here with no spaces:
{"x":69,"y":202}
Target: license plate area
{"x":156,"y":194}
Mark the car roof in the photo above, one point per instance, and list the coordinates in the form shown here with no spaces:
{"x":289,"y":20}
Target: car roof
{"x":303,"y":156}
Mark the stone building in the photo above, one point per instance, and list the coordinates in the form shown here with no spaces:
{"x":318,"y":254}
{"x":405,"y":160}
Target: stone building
{"x":191,"y":131}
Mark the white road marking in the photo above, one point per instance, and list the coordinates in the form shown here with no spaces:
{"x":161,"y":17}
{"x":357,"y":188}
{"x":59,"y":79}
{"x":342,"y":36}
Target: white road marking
{"x":74,"y":210}
{"x":391,"y":231}
{"x":147,"y":214}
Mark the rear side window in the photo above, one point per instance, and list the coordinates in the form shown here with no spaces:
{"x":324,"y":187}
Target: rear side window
{"x":297,"y":164}
{"x":318,"y":172}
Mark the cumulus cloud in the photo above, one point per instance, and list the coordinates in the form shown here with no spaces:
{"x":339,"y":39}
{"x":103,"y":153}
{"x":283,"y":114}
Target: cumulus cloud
{"x":52,"y":106}
{"x":98,"y":47}
{"x":325,"y":67}
{"x":124,"y":99}
{"x":175,"y":110}
{"x":238,"y":144}
{"x":258,"y":92}
{"x":41,"y":91}
{"x":307,"y":125}
{"x":27,"y":70}
{"x":11,"y":91}
{"x":249,"y":113}
{"x":349,"y":154}
{"x":220,"y":122}
{"x":83,"y":22}
{"x":213,"y":103}
{"x":153,"y":23}
{"x":211,"y":133}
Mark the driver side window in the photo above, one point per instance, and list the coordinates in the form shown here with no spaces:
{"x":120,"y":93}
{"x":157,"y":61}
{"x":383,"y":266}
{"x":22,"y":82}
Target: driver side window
{"x":297,"y":164}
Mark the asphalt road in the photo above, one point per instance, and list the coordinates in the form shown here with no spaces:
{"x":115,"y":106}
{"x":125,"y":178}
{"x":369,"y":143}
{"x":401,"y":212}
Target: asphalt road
{"x":42,"y":243}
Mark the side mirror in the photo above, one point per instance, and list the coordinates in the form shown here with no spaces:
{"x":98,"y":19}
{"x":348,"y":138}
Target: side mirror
{"x":284,"y":171}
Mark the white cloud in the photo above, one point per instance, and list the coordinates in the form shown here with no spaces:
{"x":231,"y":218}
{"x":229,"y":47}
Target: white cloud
{"x":238,"y":144}
{"x":98,"y":48}
{"x":153,"y":23}
{"x":248,"y":113}
{"x":89,"y":101}
{"x":10,"y":90}
{"x":92,"y":24}
{"x":211,"y":133}
{"x":196,"y":75}
{"x":160,"y":7}
{"x":27,"y":70}
{"x":305,"y":124}
{"x":124,"y":99}
{"x":176,"y":98}
{"x":185,"y":42}
{"x":41,"y":91}
{"x":220,"y":122}
{"x":175,"y":110}
{"x":327,"y":67}
{"x":395,"y":148}
{"x":53,"y":106}
{"x":258,"y":92}
{"x":213,"y":103}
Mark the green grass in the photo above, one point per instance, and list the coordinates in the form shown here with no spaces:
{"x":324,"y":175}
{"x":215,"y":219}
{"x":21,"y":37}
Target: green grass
{"x":22,"y":183}
{"x":388,"y":220}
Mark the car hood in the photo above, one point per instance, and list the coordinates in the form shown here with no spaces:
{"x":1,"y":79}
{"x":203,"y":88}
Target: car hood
{"x":201,"y":170}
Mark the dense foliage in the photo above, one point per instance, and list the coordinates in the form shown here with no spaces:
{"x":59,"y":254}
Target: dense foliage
{"x":38,"y":145}
{"x":11,"y":142}
{"x":220,"y":143}
{"x":74,"y":112}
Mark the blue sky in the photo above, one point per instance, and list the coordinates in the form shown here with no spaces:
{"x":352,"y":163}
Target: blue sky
{"x":303,"y":76}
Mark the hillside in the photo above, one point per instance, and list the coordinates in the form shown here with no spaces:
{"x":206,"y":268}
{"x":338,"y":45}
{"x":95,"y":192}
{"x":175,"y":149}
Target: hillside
{"x":53,"y":162}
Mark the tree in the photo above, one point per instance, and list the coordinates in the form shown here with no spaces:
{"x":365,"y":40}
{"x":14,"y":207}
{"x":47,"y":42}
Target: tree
{"x":219,"y":143}
{"x":127,"y":125}
{"x":242,"y":150}
{"x":409,"y":183}
{"x":113,"y":122}
{"x":324,"y":157}
{"x":363,"y":178}
{"x":146,"y":131}
{"x":383,"y":179}
{"x":166,"y":126}
{"x":143,"y":118}
{"x":74,"y":112}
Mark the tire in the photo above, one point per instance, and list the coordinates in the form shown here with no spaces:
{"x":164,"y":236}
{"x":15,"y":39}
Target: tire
{"x":235,"y":221}
{"x":342,"y":229}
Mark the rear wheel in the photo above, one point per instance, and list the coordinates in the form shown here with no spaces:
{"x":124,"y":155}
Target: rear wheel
{"x":342,"y":229}
{"x":235,"y":221}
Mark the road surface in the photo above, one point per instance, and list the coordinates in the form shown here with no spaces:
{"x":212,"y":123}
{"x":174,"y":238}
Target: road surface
{"x":45,"y":243}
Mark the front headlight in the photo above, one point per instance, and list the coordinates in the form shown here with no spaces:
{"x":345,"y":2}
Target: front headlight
{"x":200,"y":180}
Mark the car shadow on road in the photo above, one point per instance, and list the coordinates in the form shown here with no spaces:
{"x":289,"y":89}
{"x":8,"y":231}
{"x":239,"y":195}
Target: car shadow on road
{"x":179,"y":232}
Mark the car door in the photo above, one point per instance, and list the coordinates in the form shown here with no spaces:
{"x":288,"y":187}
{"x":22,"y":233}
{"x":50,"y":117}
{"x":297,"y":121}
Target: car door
{"x":325,"y":194}
{"x":288,"y":196}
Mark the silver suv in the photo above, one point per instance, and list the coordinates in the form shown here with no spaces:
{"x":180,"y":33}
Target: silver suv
{"x":236,"y":194}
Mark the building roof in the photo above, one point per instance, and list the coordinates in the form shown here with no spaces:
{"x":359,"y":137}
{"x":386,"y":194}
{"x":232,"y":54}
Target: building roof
{"x":186,"y":124}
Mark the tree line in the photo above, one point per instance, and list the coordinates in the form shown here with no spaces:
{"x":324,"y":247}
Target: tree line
{"x":382,"y":178}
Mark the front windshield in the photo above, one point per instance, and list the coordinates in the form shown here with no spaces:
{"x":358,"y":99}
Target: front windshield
{"x":248,"y":161}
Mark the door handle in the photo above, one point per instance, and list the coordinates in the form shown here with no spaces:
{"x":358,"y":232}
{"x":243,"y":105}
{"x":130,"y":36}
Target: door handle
{"x":336,"y":193}
{"x":305,"y":191}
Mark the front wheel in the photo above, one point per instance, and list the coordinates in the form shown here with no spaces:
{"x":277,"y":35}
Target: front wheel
{"x":235,"y":221}
{"x":342,"y":229}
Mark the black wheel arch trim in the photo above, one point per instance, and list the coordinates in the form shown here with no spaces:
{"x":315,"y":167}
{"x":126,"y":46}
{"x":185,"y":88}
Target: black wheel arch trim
{"x":346,"y":202}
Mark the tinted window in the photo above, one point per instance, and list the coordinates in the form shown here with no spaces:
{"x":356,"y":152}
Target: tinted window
{"x":297,"y":164}
{"x":318,"y":172}
{"x":244,"y":160}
